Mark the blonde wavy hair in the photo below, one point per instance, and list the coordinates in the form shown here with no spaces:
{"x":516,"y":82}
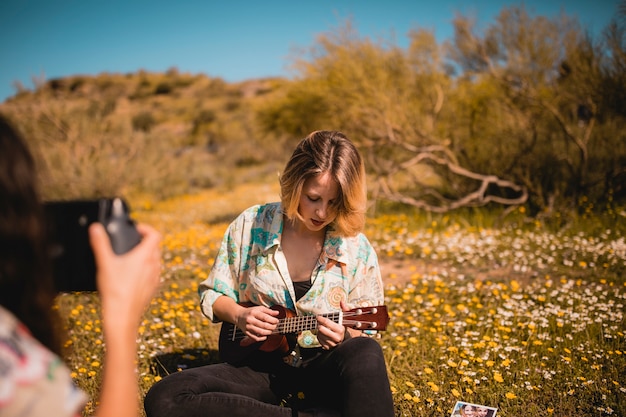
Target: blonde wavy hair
{"x":328,"y":151}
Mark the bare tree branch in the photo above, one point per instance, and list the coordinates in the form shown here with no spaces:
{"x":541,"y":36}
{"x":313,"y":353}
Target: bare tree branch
{"x":479,"y":197}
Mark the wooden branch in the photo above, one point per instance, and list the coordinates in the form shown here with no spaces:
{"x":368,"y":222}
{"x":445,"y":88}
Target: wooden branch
{"x":478,"y":197}
{"x":439,"y":102}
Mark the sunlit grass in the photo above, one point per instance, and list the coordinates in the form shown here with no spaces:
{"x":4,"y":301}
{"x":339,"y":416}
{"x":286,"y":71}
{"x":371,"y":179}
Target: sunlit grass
{"x":547,"y":338}
{"x":552,"y":345}
{"x":531,"y":250}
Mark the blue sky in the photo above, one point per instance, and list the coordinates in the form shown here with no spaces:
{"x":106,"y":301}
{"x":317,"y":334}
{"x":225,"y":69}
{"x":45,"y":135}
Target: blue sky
{"x":232,"y":39}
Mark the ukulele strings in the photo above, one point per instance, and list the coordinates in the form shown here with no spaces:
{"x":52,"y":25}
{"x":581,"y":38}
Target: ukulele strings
{"x":300,"y":323}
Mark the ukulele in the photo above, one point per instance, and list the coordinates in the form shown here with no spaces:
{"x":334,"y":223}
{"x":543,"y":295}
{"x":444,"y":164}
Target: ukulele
{"x":289,"y":324}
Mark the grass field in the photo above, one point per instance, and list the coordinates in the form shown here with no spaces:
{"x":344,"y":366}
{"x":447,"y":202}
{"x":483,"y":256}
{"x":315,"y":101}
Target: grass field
{"x":526,"y":320}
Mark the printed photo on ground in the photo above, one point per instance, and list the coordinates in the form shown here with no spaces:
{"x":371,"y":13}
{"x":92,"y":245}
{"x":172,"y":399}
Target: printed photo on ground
{"x":463,"y":409}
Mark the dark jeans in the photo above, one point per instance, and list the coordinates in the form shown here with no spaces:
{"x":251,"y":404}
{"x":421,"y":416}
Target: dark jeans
{"x":351,"y":379}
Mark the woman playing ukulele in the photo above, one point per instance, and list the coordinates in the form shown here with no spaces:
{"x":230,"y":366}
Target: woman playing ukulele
{"x":305,"y":254}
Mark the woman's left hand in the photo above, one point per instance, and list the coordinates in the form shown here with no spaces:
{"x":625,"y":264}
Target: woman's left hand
{"x":329,"y":333}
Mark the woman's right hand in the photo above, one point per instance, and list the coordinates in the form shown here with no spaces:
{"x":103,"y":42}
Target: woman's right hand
{"x":257,"y":322}
{"x":127,"y":282}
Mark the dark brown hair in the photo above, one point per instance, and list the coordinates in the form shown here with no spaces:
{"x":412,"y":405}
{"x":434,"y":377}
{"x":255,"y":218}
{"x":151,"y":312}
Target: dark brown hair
{"x":26,"y":287}
{"x":332,"y":152}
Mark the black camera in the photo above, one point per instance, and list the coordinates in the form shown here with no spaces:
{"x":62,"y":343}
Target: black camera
{"x":67,"y":222}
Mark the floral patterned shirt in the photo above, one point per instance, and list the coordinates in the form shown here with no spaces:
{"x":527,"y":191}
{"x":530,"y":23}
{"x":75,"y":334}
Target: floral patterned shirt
{"x":251,"y":267}
{"x":33,"y":381}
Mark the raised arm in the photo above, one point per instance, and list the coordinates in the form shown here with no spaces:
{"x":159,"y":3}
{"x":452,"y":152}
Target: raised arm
{"x":126,"y":284}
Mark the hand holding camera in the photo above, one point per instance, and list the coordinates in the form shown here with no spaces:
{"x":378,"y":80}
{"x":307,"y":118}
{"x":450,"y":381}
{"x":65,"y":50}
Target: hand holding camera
{"x":127,"y":282}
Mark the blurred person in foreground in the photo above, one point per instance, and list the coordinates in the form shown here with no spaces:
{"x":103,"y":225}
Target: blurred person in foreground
{"x":306,"y":253}
{"x":33,"y":379}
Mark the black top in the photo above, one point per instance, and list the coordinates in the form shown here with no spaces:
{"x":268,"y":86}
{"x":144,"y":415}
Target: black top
{"x":301,"y":288}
